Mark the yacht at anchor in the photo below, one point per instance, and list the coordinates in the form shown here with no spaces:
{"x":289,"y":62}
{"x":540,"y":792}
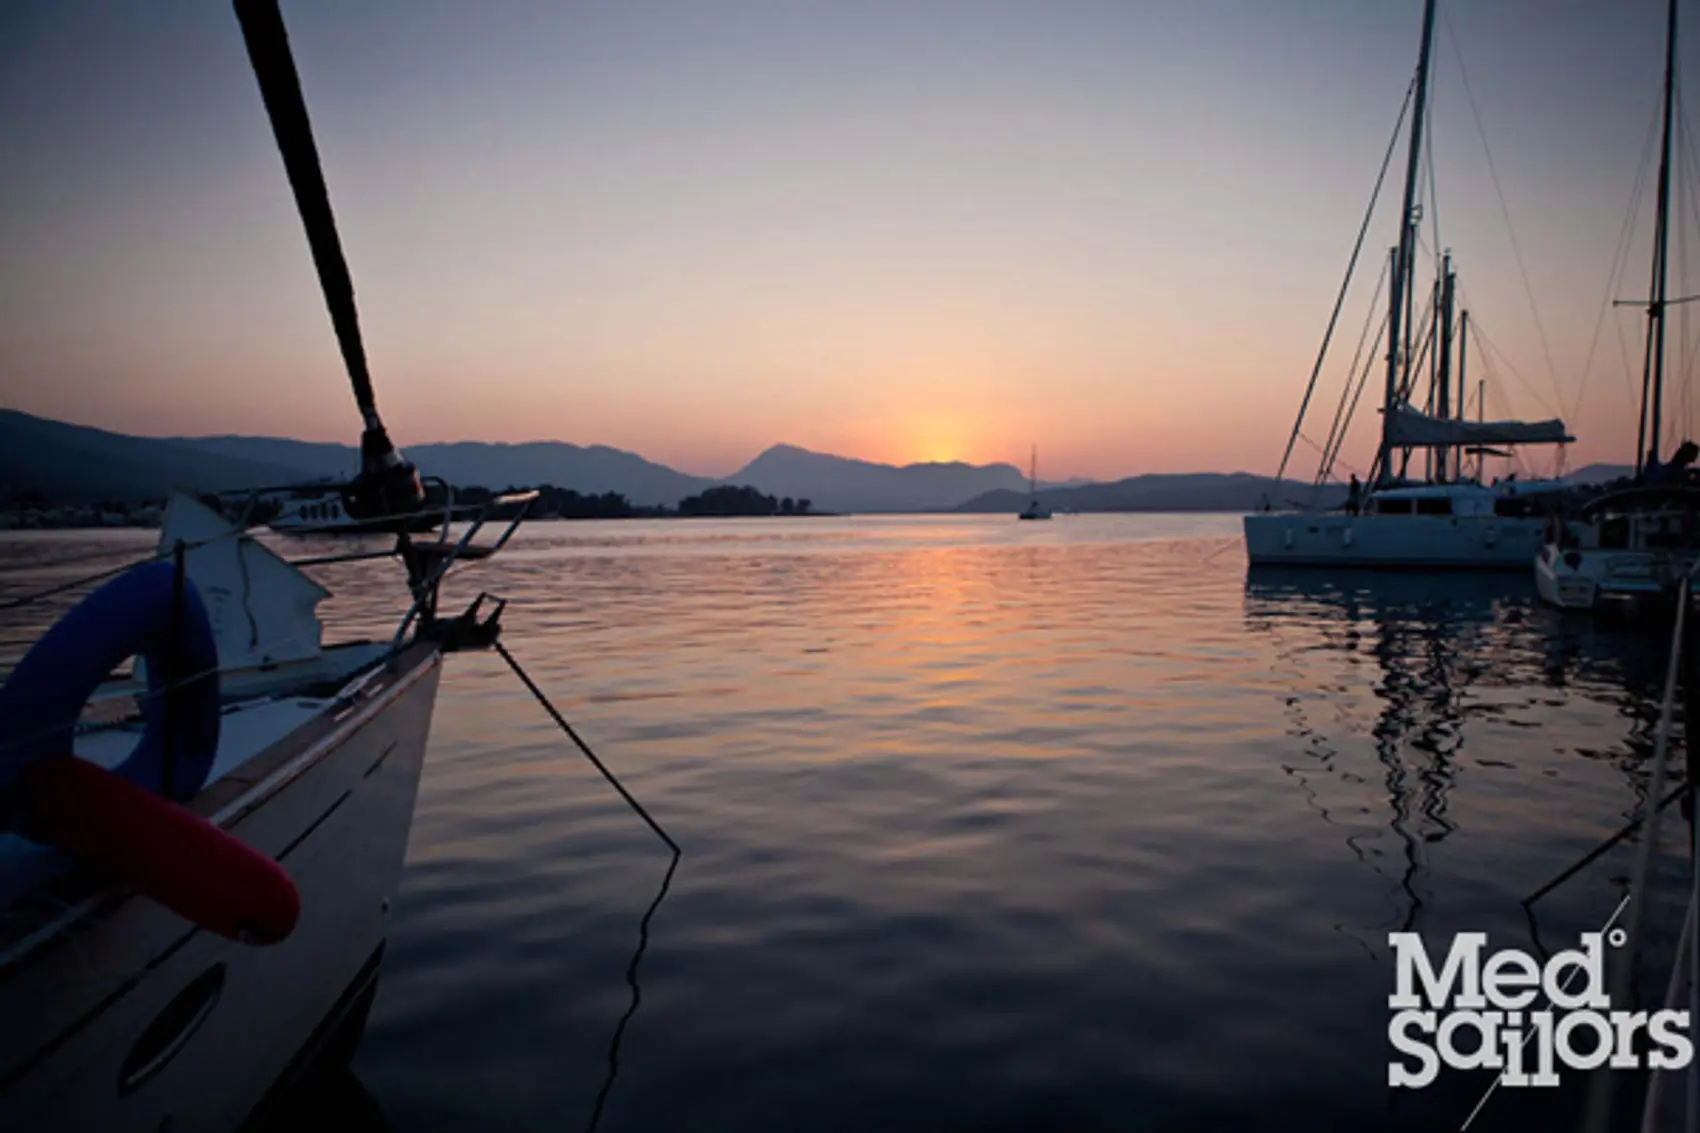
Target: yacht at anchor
{"x":1435,"y":513}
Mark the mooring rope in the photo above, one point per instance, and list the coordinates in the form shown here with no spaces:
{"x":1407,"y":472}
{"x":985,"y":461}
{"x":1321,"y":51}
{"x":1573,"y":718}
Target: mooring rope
{"x":561,"y":720}
{"x":666,"y":881}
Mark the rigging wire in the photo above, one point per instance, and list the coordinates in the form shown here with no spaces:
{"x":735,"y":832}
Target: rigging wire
{"x":1620,"y":264}
{"x":1363,"y":379}
{"x":1504,"y":209}
{"x":1336,"y":428}
{"x":1687,"y":156}
{"x":1487,"y":345}
{"x":1345,"y":284}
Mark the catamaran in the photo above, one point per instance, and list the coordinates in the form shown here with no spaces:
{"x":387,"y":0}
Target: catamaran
{"x":1440,"y":517}
{"x":1630,"y":547}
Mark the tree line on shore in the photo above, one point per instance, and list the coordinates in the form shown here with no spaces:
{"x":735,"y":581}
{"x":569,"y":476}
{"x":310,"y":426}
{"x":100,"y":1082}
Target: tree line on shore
{"x":38,"y":509}
{"x":723,"y":500}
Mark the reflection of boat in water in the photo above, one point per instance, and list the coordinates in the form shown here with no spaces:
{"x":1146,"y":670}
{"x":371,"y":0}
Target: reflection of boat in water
{"x":1411,"y":625}
{"x":1438,"y":646}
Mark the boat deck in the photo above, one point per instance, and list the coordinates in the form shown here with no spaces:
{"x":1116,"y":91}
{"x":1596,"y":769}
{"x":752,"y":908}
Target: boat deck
{"x":263,"y":708}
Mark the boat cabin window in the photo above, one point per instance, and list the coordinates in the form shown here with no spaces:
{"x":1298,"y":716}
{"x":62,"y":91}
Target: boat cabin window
{"x":1434,"y":505}
{"x":1668,"y":531}
{"x":1383,"y":506}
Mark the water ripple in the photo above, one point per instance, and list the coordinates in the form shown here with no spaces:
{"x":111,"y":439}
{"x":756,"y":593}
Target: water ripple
{"x":985,"y":827}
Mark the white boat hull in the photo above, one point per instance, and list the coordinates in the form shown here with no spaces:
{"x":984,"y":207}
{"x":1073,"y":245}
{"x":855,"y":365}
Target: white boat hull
{"x":1559,"y":587}
{"x":1593,"y":578}
{"x":1390,"y":541}
{"x":335,"y":810}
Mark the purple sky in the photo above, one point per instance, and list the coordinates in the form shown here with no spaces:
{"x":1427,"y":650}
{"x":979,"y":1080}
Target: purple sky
{"x":897,"y":230}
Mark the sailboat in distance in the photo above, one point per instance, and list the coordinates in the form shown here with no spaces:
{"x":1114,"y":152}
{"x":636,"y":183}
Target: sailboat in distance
{"x":1034,"y":509}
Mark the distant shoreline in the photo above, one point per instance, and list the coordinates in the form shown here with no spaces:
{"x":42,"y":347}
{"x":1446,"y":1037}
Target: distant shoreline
{"x":110,"y":521}
{"x":11,"y":521}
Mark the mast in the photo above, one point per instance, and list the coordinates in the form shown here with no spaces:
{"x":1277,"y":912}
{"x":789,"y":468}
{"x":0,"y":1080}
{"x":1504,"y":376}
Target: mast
{"x":1481,"y":416}
{"x":1463,"y":344}
{"x":1653,"y":374}
{"x":1443,"y":373}
{"x":1033,"y":475}
{"x":1407,"y":240}
{"x":1434,"y":459}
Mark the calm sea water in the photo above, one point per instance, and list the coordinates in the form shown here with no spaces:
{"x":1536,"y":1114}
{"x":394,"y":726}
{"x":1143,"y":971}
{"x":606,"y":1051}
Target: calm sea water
{"x":987,"y":826}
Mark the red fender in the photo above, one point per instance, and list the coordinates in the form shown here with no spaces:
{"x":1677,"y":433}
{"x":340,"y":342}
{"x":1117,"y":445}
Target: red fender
{"x":158,"y":848}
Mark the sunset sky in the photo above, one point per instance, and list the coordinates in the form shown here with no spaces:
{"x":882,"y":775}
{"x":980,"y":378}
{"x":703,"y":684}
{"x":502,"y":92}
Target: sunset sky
{"x":893,"y":229}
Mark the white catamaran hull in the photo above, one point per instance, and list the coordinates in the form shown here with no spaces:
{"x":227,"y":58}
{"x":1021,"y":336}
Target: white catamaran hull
{"x":1338,"y":540}
{"x":133,"y":1020}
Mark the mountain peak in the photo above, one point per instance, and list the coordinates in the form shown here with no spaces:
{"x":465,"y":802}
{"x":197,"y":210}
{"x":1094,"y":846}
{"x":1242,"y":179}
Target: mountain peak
{"x":846,"y":484}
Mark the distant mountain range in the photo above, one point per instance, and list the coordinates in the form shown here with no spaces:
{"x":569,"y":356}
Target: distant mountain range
{"x":75,"y":464}
{"x":592,"y":471}
{"x":1204,"y":491}
{"x":1198,"y":491}
{"x":836,"y":483}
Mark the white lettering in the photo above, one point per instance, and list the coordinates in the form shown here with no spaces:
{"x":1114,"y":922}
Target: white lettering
{"x":1583,"y":1060}
{"x":1439,"y":1019}
{"x":1591,"y":961}
{"x":1680,"y":1050}
{"x":1485,"y":1055}
{"x":1507,"y":971}
{"x":1398,"y":1075}
{"x":1413,"y":963}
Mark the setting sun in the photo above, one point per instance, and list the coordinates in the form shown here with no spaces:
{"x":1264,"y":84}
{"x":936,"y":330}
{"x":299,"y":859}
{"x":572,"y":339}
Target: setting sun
{"x":934,"y":439}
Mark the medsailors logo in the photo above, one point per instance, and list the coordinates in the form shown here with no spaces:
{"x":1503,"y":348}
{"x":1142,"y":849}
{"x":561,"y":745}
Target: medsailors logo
{"x":1477,"y":1014}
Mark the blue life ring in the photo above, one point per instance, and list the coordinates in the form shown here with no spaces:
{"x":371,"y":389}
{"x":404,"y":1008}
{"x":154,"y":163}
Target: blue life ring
{"x":134,"y":613}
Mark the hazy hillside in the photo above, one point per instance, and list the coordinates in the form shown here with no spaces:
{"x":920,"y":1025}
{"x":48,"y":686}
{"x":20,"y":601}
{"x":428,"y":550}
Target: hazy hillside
{"x":1600,"y":473}
{"x":311,"y":460}
{"x":1202,"y":491}
{"x":836,"y":483}
{"x":1206,"y":491}
{"x":77,"y":464}
{"x":590,"y":471}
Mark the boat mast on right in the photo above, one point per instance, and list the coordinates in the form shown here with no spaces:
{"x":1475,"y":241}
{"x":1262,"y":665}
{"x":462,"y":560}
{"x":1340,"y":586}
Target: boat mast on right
{"x":1631,"y":546}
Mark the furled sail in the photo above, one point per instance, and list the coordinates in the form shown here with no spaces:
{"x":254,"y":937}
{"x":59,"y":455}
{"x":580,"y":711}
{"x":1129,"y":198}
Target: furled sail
{"x":1412,"y":428}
